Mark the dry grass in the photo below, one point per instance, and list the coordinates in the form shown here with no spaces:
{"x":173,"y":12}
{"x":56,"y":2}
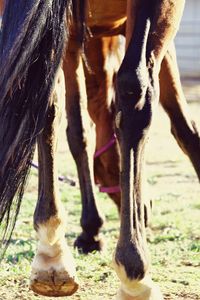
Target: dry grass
{"x":174,"y":236}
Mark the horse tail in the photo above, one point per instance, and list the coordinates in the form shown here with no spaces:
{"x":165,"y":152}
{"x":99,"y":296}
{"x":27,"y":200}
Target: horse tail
{"x":32,"y":38}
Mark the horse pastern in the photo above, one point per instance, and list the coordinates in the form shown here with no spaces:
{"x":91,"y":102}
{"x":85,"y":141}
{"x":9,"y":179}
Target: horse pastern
{"x":89,"y":245}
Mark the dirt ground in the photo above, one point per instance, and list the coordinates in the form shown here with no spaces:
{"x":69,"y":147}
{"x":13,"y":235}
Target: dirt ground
{"x":174,"y":235}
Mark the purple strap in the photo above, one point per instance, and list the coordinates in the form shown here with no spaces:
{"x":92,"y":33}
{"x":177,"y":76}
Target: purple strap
{"x":102,"y":189}
{"x":111,"y":189}
{"x":106,"y":147}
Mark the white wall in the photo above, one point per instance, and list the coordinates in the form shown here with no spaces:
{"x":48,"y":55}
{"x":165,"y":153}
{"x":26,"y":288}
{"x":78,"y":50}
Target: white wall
{"x":188,"y":40}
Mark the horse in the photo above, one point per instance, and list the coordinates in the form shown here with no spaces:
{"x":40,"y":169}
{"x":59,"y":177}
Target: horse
{"x":27,"y":112}
{"x":1,"y":7}
{"x":103,"y":57}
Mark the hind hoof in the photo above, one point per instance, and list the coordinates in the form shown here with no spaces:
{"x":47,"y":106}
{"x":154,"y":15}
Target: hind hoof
{"x":86,"y":244}
{"x":53,"y":283}
{"x":53,"y":271}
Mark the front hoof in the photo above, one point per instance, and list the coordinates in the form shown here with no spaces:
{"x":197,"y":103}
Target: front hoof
{"x":53,"y":283}
{"x":86,"y":244}
{"x":140,"y":291}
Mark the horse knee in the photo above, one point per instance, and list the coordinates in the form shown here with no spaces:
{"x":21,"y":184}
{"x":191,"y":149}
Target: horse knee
{"x":134,"y":108}
{"x":131,"y":84}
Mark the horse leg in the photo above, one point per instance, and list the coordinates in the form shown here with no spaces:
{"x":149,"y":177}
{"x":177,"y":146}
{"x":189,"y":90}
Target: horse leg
{"x":103,"y":58}
{"x":1,"y":7}
{"x":53,"y":270}
{"x":138,"y":90}
{"x":82,"y":152}
{"x":173,"y":101}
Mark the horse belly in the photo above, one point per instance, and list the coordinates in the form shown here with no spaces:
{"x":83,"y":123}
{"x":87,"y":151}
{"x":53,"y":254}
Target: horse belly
{"x":106,"y":13}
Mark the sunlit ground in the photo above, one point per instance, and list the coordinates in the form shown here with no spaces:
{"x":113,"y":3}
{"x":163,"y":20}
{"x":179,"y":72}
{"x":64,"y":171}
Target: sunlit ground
{"x":174,"y":235}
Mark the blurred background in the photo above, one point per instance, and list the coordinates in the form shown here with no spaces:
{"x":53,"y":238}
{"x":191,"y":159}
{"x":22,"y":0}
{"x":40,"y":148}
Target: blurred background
{"x":188,"y":41}
{"x":188,"y":50}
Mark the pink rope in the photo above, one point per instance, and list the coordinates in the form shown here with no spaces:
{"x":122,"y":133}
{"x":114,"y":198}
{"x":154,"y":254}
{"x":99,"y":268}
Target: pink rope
{"x":102,"y":189}
{"x":111,"y":189}
{"x":106,"y":147}
{"x":60,"y":178}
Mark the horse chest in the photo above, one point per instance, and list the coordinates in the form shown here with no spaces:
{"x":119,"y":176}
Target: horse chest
{"x":109,"y":13}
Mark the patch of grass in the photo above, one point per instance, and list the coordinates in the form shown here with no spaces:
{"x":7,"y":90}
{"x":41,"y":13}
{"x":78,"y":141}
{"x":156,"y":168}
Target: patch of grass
{"x":195,"y":247}
{"x":173,"y":237}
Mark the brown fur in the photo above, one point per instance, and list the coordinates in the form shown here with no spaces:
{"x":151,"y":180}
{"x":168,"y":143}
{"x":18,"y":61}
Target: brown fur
{"x":91,"y":88}
{"x":1,"y":7}
{"x":101,"y":49}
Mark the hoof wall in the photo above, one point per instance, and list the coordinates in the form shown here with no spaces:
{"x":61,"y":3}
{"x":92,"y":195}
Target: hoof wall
{"x":53,"y":284}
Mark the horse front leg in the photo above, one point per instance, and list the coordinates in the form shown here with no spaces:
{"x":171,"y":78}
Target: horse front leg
{"x":131,"y":259}
{"x":133,"y":121}
{"x":78,"y":131}
{"x":138,"y":91}
{"x":53,"y":269}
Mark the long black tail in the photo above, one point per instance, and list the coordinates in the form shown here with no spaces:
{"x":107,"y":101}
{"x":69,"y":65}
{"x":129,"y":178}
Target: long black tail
{"x":31,"y":45}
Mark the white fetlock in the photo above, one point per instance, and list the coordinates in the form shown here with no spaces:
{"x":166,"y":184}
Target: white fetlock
{"x":53,"y":271}
{"x":57,"y":256}
{"x":144,"y":289}
{"x":53,"y":268}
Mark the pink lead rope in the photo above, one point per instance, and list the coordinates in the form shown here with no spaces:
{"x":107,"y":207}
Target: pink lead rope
{"x":106,"y":147}
{"x":102,"y":189}
{"x":111,"y":189}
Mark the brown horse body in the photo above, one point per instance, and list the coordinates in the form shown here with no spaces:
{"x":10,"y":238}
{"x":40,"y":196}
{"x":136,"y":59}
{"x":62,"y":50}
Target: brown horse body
{"x":149,"y":28}
{"x":1,"y":7}
{"x":104,"y":56}
{"x":90,"y":89}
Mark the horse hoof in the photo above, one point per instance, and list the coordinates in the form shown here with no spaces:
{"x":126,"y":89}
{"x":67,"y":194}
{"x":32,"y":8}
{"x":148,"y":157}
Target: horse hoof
{"x":53,"y":283}
{"x":53,"y":271}
{"x":150,"y":293}
{"x":87,"y":245}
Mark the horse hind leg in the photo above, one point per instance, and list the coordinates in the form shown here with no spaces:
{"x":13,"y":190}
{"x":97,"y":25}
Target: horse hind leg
{"x":78,"y":131}
{"x":173,"y":101}
{"x":53,"y":270}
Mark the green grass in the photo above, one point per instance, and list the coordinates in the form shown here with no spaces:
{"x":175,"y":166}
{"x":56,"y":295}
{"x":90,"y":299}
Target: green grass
{"x":173,"y":237}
